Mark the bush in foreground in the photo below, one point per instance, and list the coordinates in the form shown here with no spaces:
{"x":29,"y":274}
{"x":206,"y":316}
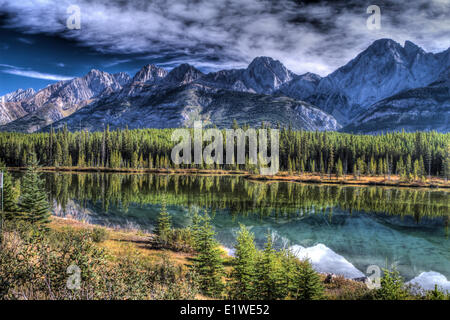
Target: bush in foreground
{"x":35,"y":265}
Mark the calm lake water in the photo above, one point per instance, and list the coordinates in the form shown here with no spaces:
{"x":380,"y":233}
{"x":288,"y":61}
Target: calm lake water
{"x":341,"y":229}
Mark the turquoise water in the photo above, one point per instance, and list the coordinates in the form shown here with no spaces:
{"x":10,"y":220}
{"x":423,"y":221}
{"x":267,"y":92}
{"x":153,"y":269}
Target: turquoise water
{"x":340,"y":229}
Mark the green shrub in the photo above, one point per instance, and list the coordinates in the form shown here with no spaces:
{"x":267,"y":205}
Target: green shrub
{"x":392,"y":287}
{"x":35,"y":265}
{"x":436,"y":294}
{"x":99,"y":235}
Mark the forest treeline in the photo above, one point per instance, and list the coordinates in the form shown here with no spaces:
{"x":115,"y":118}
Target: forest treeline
{"x":415,"y":154}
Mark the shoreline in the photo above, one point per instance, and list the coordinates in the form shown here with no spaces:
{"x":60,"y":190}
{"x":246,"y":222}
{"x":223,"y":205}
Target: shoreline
{"x":435,"y":182}
{"x":122,"y":239}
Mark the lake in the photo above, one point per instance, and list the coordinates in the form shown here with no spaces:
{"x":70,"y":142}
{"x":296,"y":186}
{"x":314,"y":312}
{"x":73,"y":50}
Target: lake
{"x":341,"y":229}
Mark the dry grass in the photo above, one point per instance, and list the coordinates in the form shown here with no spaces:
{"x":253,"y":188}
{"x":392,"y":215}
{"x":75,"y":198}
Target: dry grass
{"x":341,"y":288}
{"x":121,"y":242}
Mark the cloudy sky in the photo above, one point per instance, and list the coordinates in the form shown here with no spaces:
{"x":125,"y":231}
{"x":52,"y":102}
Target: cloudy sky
{"x":38,"y":48}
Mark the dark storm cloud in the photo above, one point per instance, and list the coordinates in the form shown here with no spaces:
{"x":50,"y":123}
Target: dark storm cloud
{"x":316,"y":36}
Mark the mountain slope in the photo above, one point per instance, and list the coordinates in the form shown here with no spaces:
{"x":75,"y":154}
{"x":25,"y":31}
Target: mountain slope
{"x":426,"y":108}
{"x":382,"y":70}
{"x":18,"y":95}
{"x":11,"y":107}
{"x":180,"y":106}
{"x":62,"y":99}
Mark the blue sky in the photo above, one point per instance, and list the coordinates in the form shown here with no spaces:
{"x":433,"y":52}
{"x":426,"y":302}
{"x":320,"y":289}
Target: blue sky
{"x":37,"y":48}
{"x":36,"y":60}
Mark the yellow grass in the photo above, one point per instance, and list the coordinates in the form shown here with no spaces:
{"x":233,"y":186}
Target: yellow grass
{"x":120,"y":242}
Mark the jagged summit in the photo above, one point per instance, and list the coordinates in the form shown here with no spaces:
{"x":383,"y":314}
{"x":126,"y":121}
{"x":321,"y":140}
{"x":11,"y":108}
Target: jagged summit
{"x":122,"y":78}
{"x":412,"y":47}
{"x":309,"y":76}
{"x":183,"y":74}
{"x":265,"y":75}
{"x":150,"y":74}
{"x":18,"y":95}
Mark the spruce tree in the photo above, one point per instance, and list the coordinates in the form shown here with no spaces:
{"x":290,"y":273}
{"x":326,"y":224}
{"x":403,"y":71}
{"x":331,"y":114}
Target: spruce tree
{"x":372,"y":166}
{"x":380,"y":167}
{"x":392,"y":286}
{"x":243,"y":275}
{"x":339,"y":169}
{"x":209,"y":264}
{"x":33,"y":200}
{"x":330,"y":162}
{"x":446,"y":162}
{"x":164,"y":223}
{"x":307,"y":281}
{"x":322,"y":167}
{"x":10,"y":197}
{"x":269,"y":274}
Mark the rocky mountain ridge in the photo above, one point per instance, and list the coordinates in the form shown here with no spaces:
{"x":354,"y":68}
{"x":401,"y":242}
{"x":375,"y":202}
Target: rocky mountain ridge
{"x":381,"y":73}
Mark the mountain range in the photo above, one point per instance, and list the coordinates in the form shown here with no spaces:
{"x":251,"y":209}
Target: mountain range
{"x":386,"y":87}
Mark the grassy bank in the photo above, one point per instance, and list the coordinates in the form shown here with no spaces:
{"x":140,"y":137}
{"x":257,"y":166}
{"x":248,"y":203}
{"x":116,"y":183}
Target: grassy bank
{"x":119,"y":243}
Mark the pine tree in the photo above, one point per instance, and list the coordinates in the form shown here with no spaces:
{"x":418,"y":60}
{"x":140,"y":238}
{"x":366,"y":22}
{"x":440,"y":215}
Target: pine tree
{"x":372,"y":166}
{"x":10,"y":197}
{"x":134,"y":160}
{"x":59,"y":157}
{"x":243,"y":275}
{"x":422,"y":168}
{"x":446,"y":162}
{"x":389,"y":164}
{"x":401,"y":168}
{"x":408,"y":165}
{"x":380,"y":167}
{"x":436,"y":294}
{"x":269,"y":274}
{"x":209,"y":264}
{"x":33,"y":200}
{"x":416,"y":169}
{"x":330,"y":162}
{"x":392,"y":286}
{"x":339,"y":169}
{"x":361,"y":167}
{"x":429,"y":160}
{"x":302,"y":166}
{"x":308,"y":283}
{"x":164,"y":223}
{"x":322,"y":166}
